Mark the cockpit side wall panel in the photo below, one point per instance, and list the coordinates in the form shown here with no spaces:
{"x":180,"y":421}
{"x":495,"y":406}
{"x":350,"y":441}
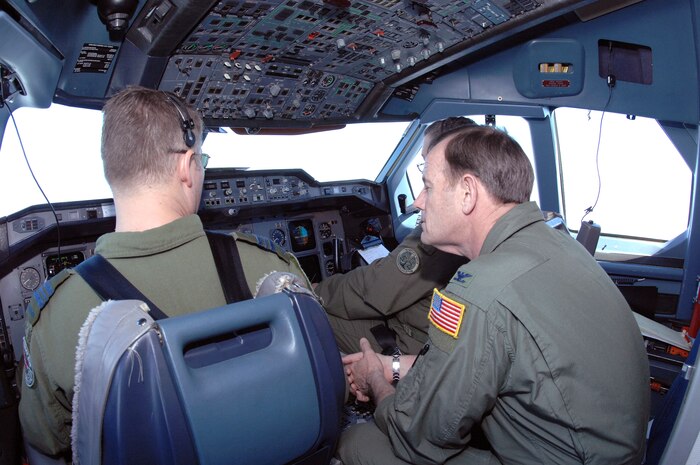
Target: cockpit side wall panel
{"x":672,"y":94}
{"x":691,"y":270}
{"x":36,"y":68}
{"x":79,"y":35}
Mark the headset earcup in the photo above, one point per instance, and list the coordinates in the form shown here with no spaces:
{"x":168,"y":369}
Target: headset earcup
{"x":186,"y":122}
{"x":188,"y":135}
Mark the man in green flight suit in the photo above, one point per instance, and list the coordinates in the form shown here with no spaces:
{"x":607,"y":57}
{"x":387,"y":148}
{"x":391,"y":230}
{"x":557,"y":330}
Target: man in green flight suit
{"x":151,"y":150}
{"x":394,"y":290}
{"x":530,"y":342}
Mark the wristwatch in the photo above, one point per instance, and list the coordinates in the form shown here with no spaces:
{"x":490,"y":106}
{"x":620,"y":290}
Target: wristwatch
{"x":396,"y":366}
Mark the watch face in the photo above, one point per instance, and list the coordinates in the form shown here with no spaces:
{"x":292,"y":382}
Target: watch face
{"x":395,"y":365}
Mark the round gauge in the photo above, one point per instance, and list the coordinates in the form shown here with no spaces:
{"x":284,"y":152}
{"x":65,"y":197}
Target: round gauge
{"x":327,"y":80}
{"x":277,"y":236}
{"x":30,"y":278}
{"x":330,"y":267}
{"x":308,"y":110}
{"x":324,"y":230}
{"x":318,"y":95}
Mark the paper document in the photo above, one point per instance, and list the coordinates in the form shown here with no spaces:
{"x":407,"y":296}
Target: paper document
{"x":373,"y":253}
{"x":654,"y":330}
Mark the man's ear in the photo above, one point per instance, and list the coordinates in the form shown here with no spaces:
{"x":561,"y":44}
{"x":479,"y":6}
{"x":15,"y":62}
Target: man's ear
{"x":469,"y":192}
{"x":185,"y":164}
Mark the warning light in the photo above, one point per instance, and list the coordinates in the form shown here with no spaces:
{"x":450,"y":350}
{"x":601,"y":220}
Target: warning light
{"x":555,"y":68}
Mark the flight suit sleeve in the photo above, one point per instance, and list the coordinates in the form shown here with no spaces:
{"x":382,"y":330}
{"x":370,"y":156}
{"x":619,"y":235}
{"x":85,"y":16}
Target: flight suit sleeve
{"x":293,"y":266}
{"x":447,"y":392}
{"x":44,"y":410}
{"x":390,"y":284}
{"x":260,"y":257}
{"x":54,"y":317}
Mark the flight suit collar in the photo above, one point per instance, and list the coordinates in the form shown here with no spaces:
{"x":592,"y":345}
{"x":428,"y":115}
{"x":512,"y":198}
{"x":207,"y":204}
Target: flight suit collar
{"x":517,"y":218}
{"x":152,"y":241}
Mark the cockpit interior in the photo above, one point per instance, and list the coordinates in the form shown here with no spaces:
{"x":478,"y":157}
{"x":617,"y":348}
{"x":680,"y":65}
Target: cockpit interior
{"x":564,"y":77}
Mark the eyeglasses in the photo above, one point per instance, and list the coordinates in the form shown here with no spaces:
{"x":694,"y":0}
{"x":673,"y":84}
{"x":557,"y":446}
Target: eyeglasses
{"x":421,"y":166}
{"x":204,"y":157}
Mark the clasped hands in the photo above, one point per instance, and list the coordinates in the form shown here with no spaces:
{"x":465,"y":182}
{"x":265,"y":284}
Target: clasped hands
{"x":368,"y":373}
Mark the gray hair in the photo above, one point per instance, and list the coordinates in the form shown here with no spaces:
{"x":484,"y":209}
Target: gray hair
{"x":492,"y":156}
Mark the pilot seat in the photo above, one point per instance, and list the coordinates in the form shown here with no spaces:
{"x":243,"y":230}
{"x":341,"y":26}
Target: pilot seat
{"x":254,"y":382}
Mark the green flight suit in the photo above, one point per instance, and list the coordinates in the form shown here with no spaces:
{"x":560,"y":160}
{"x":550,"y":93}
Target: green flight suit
{"x":172,"y":265}
{"x":546,"y":357}
{"x":396,"y":288}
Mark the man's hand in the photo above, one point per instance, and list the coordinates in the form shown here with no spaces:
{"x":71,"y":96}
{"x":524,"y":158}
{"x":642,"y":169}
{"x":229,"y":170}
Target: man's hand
{"x":365,"y":372}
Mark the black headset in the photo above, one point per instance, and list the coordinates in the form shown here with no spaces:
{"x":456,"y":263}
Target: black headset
{"x":186,"y":123}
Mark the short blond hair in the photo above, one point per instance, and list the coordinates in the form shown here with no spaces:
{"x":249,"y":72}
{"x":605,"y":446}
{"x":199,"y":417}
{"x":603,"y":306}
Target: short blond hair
{"x":141,"y":130}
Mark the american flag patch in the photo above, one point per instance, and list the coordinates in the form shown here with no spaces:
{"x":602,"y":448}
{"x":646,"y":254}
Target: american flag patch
{"x":446,"y":314}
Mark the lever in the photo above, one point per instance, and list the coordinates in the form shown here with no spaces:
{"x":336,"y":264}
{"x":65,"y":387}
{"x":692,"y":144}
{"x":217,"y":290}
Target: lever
{"x":402,"y":203}
{"x":407,"y":213}
{"x":336,"y":255}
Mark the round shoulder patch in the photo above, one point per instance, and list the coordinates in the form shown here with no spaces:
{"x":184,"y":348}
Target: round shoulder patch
{"x":408,"y":261}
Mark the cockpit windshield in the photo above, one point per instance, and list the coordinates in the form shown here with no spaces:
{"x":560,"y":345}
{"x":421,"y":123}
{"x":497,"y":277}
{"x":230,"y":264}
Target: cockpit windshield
{"x":357,"y":151}
{"x":65,"y":157}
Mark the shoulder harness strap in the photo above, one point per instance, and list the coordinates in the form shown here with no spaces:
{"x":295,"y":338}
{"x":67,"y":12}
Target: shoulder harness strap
{"x":41,"y":296}
{"x":229,"y":267}
{"x":109,"y":283}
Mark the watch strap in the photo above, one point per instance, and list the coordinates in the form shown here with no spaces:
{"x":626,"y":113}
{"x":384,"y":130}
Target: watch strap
{"x":395,"y":367}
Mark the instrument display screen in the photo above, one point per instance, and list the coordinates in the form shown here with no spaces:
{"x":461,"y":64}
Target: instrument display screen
{"x":302,"y":234}
{"x":55,"y":263}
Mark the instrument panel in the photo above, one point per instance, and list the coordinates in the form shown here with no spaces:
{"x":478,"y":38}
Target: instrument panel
{"x":322,"y":224}
{"x":17,"y":287}
{"x":317,"y":240}
{"x":229,"y":191}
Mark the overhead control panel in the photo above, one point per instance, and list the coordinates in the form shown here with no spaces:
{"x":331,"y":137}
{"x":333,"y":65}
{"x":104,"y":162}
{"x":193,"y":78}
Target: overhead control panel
{"x":308,"y":60}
